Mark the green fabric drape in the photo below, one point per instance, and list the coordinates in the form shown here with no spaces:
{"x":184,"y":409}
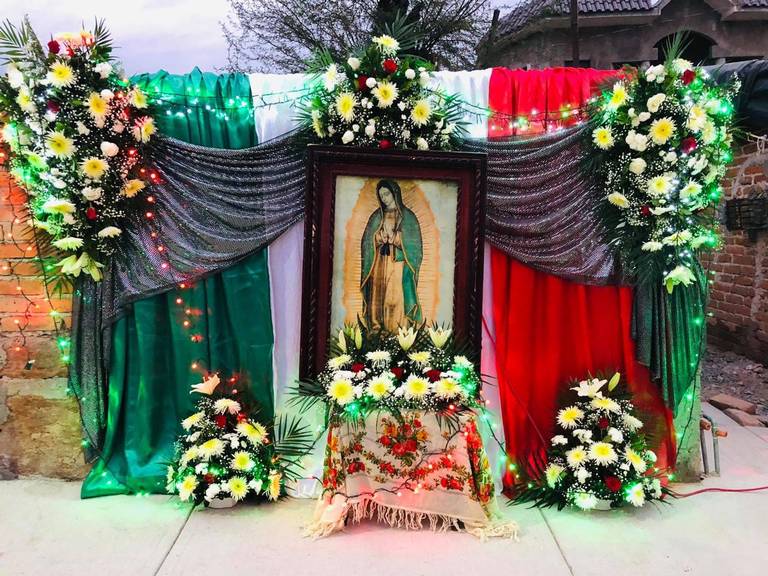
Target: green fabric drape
{"x":230,"y":324}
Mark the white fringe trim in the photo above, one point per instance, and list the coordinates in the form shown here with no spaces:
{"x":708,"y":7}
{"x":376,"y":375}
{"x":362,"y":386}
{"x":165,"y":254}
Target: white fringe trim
{"x":331,"y":519}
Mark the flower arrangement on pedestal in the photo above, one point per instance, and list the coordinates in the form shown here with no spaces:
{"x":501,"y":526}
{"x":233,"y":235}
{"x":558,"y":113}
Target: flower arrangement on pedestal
{"x":660,"y":144}
{"x":598,"y":457}
{"x":224,"y":454}
{"x":381,"y":97}
{"x":415,"y":369}
{"x":78,"y":135}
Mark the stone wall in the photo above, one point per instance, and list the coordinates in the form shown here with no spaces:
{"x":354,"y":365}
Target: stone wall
{"x":739,"y":294}
{"x":606,"y":47}
{"x":39,"y":423}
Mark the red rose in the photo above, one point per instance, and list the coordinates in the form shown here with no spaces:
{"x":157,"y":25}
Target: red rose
{"x":53,"y":47}
{"x":209,"y":479}
{"x":241,"y":417}
{"x":603,"y":423}
{"x":688,"y":145}
{"x":688,"y":77}
{"x":645,"y":211}
{"x":433,"y":375}
{"x":221,"y":420}
{"x":90,"y":213}
{"x":612,"y":483}
{"x":398,"y":372}
{"x":361,"y":80}
{"x":357,"y":366}
{"x":384,"y":144}
{"x":53,"y":106}
{"x":390,"y":66}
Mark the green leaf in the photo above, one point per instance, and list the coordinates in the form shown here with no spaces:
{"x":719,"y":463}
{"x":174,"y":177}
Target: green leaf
{"x":614,"y":381}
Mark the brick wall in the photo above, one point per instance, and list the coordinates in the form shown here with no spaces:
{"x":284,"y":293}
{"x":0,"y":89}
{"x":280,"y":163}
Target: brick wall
{"x":39,"y":424}
{"x":739,"y":294}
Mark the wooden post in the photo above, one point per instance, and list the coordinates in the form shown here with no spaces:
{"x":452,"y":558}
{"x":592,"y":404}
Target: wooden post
{"x":575,"y":33}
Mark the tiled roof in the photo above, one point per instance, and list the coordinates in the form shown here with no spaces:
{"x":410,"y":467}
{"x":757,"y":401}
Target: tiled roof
{"x":529,"y":11}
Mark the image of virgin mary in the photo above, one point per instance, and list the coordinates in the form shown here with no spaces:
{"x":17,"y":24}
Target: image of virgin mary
{"x":391,"y":257}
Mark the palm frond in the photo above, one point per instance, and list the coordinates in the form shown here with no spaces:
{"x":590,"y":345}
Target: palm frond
{"x":675,"y":46}
{"x":13,"y":41}
{"x":293,"y":437}
{"x":102,"y":38}
{"x":404,"y":30}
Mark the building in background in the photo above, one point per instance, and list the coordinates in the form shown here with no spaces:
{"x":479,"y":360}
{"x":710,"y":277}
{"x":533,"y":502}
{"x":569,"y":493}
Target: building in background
{"x":537,"y":33}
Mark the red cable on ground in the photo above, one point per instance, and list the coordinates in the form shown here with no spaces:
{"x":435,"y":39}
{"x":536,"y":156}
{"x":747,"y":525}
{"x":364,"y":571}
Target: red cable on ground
{"x":694,"y":493}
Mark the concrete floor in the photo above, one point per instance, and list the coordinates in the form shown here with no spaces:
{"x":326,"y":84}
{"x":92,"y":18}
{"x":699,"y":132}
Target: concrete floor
{"x":46,"y":530}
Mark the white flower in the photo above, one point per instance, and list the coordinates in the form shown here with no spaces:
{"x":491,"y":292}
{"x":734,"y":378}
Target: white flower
{"x":576,"y":456}
{"x":636,"y":495}
{"x":422,"y":144}
{"x":353,"y":62}
{"x":109,"y":149}
{"x":91,"y":194}
{"x":635,"y":460}
{"x":637,"y":166}
{"x":379,"y":387}
{"x":207,"y":386}
{"x":553,"y":473}
{"x":388,"y":45}
{"x":636,"y":141}
{"x":347,"y":137}
{"x":643,"y":116}
{"x":371,"y":82}
{"x":107,"y":94}
{"x":697,"y":118}
{"x":416,"y":387}
{"x":602,"y":453}
{"x":615,"y":435}
{"x":410,"y":74}
{"x":697,"y":164}
{"x":15,"y":77}
{"x":109,"y":232}
{"x":678,"y":238}
{"x":656,"y":487}
{"x":691,"y":189}
{"x":607,"y":404}
{"x":569,"y":417}
{"x":82,"y":129}
{"x":370,"y":130}
{"x":652,"y":246}
{"x":462,"y":362}
{"x":670,"y":157}
{"x":69,"y":243}
{"x":679,"y":275}
{"x":656,"y":73}
{"x":439,"y":336}
{"x":582,"y":435}
{"x":589,"y":388}
{"x":118,"y":127}
{"x":406,"y":337}
{"x":654,"y":102}
{"x":618,"y":199}
{"x":103,"y":69}
{"x":708,"y":133}
{"x":223,"y":405}
{"x":559,"y":439}
{"x":585,"y":500}
{"x":212,"y":491}
{"x":633,"y":424}
{"x":681,"y":65}
{"x":339,"y":361}
{"x":331,"y":77}
{"x":650,"y":455}
{"x":58,"y":206}
{"x":423,"y":78}
{"x":582,"y":474}
{"x":379,"y":357}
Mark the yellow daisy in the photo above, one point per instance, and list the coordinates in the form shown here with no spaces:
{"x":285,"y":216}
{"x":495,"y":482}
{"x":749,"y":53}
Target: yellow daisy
{"x":317,"y":124}
{"x":553,"y":473}
{"x":342,"y":391}
{"x":697,"y":118}
{"x":190,"y":421}
{"x":602,"y":453}
{"x":132,"y":187}
{"x":618,"y":199}
{"x":387,"y":44}
{"x":659,"y":186}
{"x":569,"y":417}
{"x":339,"y":361}
{"x":385,"y":93}
{"x":138,"y":98}
{"x":97,"y":106}
{"x":576,"y":456}
{"x":636,"y":460}
{"x":421,"y":357}
{"x":416,"y":387}
{"x":254,"y":432}
{"x":238,"y":488}
{"x":421,"y":112}
{"x":662,"y":130}
{"x":191,"y":453}
{"x":345,"y":106}
{"x":618,"y":96}
{"x":187,"y":487}
{"x":379,"y":387}
{"x":242,"y":461}
{"x":59,"y":145}
{"x":93,"y":167}
{"x":606,"y":404}
{"x":212,"y":447}
{"x":603,"y":137}
{"x":447,"y":388}
{"x":25,"y":102}
{"x":144,"y":129}
{"x":60,"y":75}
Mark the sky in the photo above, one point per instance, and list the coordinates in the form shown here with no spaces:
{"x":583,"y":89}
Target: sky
{"x":173,"y":35}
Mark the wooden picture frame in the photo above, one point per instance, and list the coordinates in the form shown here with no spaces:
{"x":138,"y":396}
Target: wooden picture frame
{"x":332,"y":167}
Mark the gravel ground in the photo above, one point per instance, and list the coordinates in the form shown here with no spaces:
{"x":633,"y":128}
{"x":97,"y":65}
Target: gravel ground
{"x":730,"y":373}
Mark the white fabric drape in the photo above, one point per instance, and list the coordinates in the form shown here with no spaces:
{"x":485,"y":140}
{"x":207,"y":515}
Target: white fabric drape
{"x":275,"y":115}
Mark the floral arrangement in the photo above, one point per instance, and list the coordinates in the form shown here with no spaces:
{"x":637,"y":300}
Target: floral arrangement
{"x":223,"y":453}
{"x":381,"y":97}
{"x":661,"y":141}
{"x":415,"y":369}
{"x":599,"y":458}
{"x":78,"y":135}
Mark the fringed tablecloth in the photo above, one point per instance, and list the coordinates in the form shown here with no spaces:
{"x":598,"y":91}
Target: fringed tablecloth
{"x":426,"y":470}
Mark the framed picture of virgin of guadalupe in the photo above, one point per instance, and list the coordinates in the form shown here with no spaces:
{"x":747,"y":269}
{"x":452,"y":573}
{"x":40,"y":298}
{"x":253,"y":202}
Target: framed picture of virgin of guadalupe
{"x":392,"y":239}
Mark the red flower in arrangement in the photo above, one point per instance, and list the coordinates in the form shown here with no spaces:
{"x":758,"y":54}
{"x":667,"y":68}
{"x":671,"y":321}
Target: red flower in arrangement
{"x":407,"y":429}
{"x":221,"y":420}
{"x":241,"y":417}
{"x":410,"y":445}
{"x":688,"y":77}
{"x":446,"y":462}
{"x":603,"y":423}
{"x":384,"y":144}
{"x":398,"y":372}
{"x":361,"y":80}
{"x":53,"y":47}
{"x":645,"y":211}
{"x":358,"y":366}
{"x":433,"y":375}
{"x":53,"y":106}
{"x":389,"y":65}
{"x":417,"y":423}
{"x":398,"y":449}
{"x":209,"y":478}
{"x":90,"y":213}
{"x":688,"y":144}
{"x":385,"y":441}
{"x":612,"y":483}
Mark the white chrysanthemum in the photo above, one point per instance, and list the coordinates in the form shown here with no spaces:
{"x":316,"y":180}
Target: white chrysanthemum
{"x":186,"y":487}
{"x":618,"y":96}
{"x":654,"y":102}
{"x":585,"y":500}
{"x":569,"y":417}
{"x":238,"y":488}
{"x":68,"y":243}
{"x":582,"y":474}
{"x":576,"y":456}
{"x":678,"y":238}
{"x":602,"y":453}
{"x":255,"y":432}
{"x":342,"y":391}
{"x":559,"y":439}
{"x":607,"y":404}
{"x":462,"y":362}
{"x":447,"y":388}
{"x":652,"y":246}
{"x":635,"y":460}
{"x":659,"y":186}
{"x":339,"y":361}
{"x":615,"y":435}
{"x":697,"y":119}
{"x":416,"y":387}
{"x":190,"y":421}
{"x":210,"y":448}
{"x":662,"y":130}
{"x":331,"y":77}
{"x":690,"y":190}
{"x":379,"y":387}
{"x":223,"y":405}
{"x":636,"y":141}
{"x":422,"y":357}
{"x":191,"y":453}
{"x":242,"y":461}
{"x":553,"y":473}
{"x":618,"y":199}
{"x":387,"y":44}
{"x":345,"y":106}
{"x":379,"y":357}
{"x":109,"y":232}
{"x":633,"y":424}
{"x":385,"y":92}
{"x":636,"y":495}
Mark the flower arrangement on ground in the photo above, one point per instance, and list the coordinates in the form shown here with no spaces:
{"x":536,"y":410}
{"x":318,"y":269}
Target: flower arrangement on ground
{"x":381,"y":97}
{"x":78,"y":135}
{"x":598,"y":455}
{"x":661,"y":140}
{"x":224,"y":453}
{"x":419,"y":368}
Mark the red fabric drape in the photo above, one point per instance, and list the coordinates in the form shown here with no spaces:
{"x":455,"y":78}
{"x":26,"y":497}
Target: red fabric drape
{"x":550,"y":331}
